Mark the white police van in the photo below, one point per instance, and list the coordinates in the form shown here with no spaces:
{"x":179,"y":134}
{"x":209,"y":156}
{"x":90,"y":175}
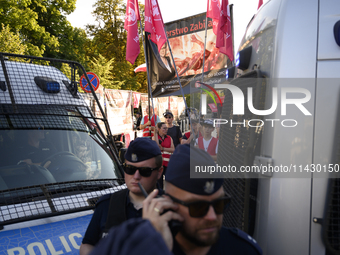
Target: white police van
{"x":293,"y":47}
{"x":47,"y":194}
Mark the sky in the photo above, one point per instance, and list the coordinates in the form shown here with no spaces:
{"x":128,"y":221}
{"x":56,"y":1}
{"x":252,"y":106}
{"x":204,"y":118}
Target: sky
{"x":171,"y":10}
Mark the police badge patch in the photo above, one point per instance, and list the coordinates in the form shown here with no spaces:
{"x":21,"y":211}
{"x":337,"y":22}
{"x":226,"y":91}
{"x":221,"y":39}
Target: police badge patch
{"x":134,"y":157}
{"x":209,"y":187}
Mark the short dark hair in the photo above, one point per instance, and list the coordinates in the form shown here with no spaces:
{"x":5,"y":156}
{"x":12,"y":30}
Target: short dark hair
{"x":159,"y":124}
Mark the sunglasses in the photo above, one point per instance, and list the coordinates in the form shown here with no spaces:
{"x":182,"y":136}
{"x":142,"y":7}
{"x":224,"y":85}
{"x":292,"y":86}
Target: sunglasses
{"x":199,"y":209}
{"x":143,"y":171}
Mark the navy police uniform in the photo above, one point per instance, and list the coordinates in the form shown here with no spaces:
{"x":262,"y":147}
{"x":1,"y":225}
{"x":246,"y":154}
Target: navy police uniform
{"x":105,"y":217}
{"x":133,"y":237}
{"x":113,"y":209}
{"x":137,"y":236}
{"x":183,"y":161}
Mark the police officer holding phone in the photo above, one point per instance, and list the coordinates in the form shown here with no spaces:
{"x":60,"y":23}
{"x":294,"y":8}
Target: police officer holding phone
{"x":143,"y":164}
{"x":201,"y":203}
{"x":198,"y":203}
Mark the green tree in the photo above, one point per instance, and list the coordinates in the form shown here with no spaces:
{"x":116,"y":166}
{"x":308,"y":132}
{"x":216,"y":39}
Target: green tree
{"x":44,"y":29}
{"x":109,"y":37}
{"x":23,"y":19}
{"x":10,"y":42}
{"x":102,"y":68}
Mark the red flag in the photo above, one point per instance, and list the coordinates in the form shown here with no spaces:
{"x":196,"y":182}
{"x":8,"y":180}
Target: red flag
{"x":154,"y":23}
{"x":224,"y":39}
{"x":131,"y":26}
{"x":260,"y":3}
{"x":213,"y":12}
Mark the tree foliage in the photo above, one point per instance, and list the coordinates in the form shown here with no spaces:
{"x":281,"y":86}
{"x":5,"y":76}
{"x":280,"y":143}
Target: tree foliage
{"x":44,"y":29}
{"x":10,"y":42}
{"x":109,"y":37}
{"x":40,"y":28}
{"x":103,"y":68}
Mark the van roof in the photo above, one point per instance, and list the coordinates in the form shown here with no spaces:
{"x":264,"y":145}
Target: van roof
{"x":20,"y":86}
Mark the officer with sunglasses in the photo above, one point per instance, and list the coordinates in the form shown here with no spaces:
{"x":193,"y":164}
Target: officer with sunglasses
{"x":198,"y":204}
{"x":143,"y":164}
{"x":201,"y":203}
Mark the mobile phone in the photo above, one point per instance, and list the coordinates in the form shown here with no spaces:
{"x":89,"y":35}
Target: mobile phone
{"x":174,"y":225}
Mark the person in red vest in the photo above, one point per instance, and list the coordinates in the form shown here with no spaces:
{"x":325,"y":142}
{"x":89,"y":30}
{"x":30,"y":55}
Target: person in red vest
{"x":166,"y":145}
{"x":149,"y":124}
{"x":188,"y":137}
{"x":208,"y":142}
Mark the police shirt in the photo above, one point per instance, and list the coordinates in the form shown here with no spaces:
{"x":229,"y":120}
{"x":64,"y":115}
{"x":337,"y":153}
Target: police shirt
{"x":96,"y":227}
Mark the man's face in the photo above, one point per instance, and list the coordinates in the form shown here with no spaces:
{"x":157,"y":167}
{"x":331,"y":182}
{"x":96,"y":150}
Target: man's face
{"x":202,"y":231}
{"x":168,"y":119}
{"x":148,"y":183}
{"x":207,"y":129}
{"x":195,"y":126}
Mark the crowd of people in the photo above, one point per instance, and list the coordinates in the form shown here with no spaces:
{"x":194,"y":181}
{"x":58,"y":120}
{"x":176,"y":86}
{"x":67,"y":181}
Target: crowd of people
{"x":180,"y":215}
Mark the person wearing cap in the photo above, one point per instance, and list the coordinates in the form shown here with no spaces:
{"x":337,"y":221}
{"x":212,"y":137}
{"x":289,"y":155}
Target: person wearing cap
{"x":143,"y":164}
{"x":148,"y":125}
{"x":207,"y":142}
{"x":166,"y":146}
{"x":201,"y":203}
{"x":197,"y":203}
{"x":173,"y":131}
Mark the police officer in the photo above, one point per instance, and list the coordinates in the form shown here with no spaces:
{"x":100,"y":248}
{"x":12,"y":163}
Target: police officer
{"x":143,"y":164}
{"x":201,"y":203}
{"x":197,"y":203}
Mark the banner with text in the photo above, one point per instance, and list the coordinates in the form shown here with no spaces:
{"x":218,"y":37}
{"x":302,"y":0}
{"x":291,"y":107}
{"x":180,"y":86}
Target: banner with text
{"x":186,"y":38}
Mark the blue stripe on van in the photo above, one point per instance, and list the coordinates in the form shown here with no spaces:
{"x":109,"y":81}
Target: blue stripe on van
{"x":62,"y":237}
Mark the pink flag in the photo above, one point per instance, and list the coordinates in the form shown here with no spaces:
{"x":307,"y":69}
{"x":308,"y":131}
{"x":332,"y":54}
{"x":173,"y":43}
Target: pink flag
{"x":260,"y":3}
{"x":131,"y":26}
{"x":213,"y":12}
{"x":154,"y":23}
{"x":224,"y":39}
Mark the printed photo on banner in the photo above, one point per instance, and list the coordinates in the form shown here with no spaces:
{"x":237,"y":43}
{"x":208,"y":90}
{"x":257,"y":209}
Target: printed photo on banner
{"x":186,"y":38}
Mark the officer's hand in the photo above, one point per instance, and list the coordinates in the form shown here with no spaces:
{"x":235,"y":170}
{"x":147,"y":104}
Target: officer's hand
{"x":152,"y":210}
{"x":148,"y":123}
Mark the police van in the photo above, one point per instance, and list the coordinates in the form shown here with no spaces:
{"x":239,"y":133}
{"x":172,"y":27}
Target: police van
{"x":57,"y":157}
{"x":280,"y":128}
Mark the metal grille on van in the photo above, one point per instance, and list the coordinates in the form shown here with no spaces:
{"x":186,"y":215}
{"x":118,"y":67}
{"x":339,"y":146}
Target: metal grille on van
{"x":331,"y":221}
{"x":35,"y":202}
{"x":332,"y":218}
{"x":237,"y":147}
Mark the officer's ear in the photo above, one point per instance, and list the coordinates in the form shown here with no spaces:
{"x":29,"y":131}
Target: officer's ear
{"x":160,"y":172}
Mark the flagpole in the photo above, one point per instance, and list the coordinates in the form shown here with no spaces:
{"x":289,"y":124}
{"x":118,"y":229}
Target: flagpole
{"x":205,"y":44}
{"x":232,"y":28}
{"x":148,"y":77}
